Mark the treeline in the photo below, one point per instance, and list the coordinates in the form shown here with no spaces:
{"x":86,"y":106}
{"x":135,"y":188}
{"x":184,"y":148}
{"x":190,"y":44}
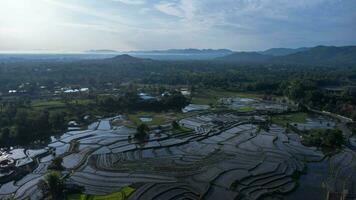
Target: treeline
{"x":98,"y":73}
{"x":303,"y":83}
{"x":20,"y":126}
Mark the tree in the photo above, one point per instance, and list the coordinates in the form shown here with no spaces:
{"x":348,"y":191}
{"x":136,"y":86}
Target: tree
{"x":56,"y":164}
{"x":174,"y":101}
{"x":326,"y":138}
{"x":57,"y":121}
{"x":23,"y":127}
{"x":5,"y":138}
{"x":332,"y":137}
{"x":141,"y":132}
{"x":41,"y":125}
{"x":175,"y":125}
{"x":52,"y":186}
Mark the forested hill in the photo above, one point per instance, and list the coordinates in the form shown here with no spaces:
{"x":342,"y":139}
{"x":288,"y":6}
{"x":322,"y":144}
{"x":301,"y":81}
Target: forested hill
{"x":127,"y":58}
{"x":282,"y":51}
{"x":320,"y":55}
{"x":246,"y":57}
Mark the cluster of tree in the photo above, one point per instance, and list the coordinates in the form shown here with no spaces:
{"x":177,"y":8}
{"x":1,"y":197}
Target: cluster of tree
{"x":19,"y":126}
{"x":54,"y":185}
{"x":323,"y":137}
{"x":312,"y":93}
{"x":142,"y":132}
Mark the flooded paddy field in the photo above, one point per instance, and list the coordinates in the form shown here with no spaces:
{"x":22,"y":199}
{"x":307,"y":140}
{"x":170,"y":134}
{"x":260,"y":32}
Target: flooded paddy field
{"x":250,"y":104}
{"x":223,"y":156}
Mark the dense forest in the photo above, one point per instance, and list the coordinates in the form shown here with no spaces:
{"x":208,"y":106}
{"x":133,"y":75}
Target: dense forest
{"x":324,"y":87}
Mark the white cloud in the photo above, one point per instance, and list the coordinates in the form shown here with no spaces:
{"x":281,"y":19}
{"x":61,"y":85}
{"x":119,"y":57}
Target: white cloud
{"x":170,"y":9}
{"x":143,"y":24}
{"x":131,"y":2}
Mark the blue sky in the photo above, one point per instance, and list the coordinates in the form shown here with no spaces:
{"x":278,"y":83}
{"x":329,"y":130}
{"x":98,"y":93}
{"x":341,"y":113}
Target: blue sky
{"x":76,"y":25}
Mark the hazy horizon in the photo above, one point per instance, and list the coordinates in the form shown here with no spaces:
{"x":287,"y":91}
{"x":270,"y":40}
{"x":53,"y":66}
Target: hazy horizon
{"x":125,"y":25}
{"x":92,"y":51}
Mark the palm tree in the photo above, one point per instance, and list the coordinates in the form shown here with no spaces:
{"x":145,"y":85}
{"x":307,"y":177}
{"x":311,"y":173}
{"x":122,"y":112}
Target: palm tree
{"x":52,"y":186}
{"x":141,"y":132}
{"x":56,"y":164}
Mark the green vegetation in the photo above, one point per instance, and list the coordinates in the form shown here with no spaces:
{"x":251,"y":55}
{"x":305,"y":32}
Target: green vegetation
{"x":323,"y":137}
{"x":52,"y":186}
{"x":56,"y":164}
{"x":20,"y":125}
{"x":282,"y":120}
{"x":176,"y":128}
{"x":157,"y":118}
{"x":175,"y":125}
{"x":11,"y":197}
{"x":142,"y":132}
{"x":246,"y":109}
{"x":47,"y":104}
{"x":23,"y":121}
{"x":121,"y":195}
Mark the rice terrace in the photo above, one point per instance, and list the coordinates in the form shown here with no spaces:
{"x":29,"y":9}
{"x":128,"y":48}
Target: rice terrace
{"x":214,"y":154}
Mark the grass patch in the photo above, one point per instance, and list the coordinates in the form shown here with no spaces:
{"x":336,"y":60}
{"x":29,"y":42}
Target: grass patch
{"x":157,"y":118}
{"x":246,"y":109}
{"x":82,"y":101}
{"x":57,"y":104}
{"x":121,"y":195}
{"x":48,"y":104}
{"x":282,"y":120}
{"x":181,"y":129}
{"x":74,"y":146}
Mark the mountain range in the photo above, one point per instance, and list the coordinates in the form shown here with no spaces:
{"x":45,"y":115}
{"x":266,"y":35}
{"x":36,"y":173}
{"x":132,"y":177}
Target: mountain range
{"x":320,"y":55}
{"x":185,"y":51}
{"x":170,"y":54}
{"x":104,"y":51}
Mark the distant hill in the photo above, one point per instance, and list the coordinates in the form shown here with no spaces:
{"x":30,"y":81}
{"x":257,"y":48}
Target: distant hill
{"x":181,"y":54}
{"x":186,"y":51}
{"x":246,"y":57}
{"x":127,"y":58}
{"x":321,"y":55}
{"x":282,"y":51}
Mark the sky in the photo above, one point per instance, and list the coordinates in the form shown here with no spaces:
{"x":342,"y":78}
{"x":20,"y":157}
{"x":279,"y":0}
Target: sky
{"x":245,"y":25}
